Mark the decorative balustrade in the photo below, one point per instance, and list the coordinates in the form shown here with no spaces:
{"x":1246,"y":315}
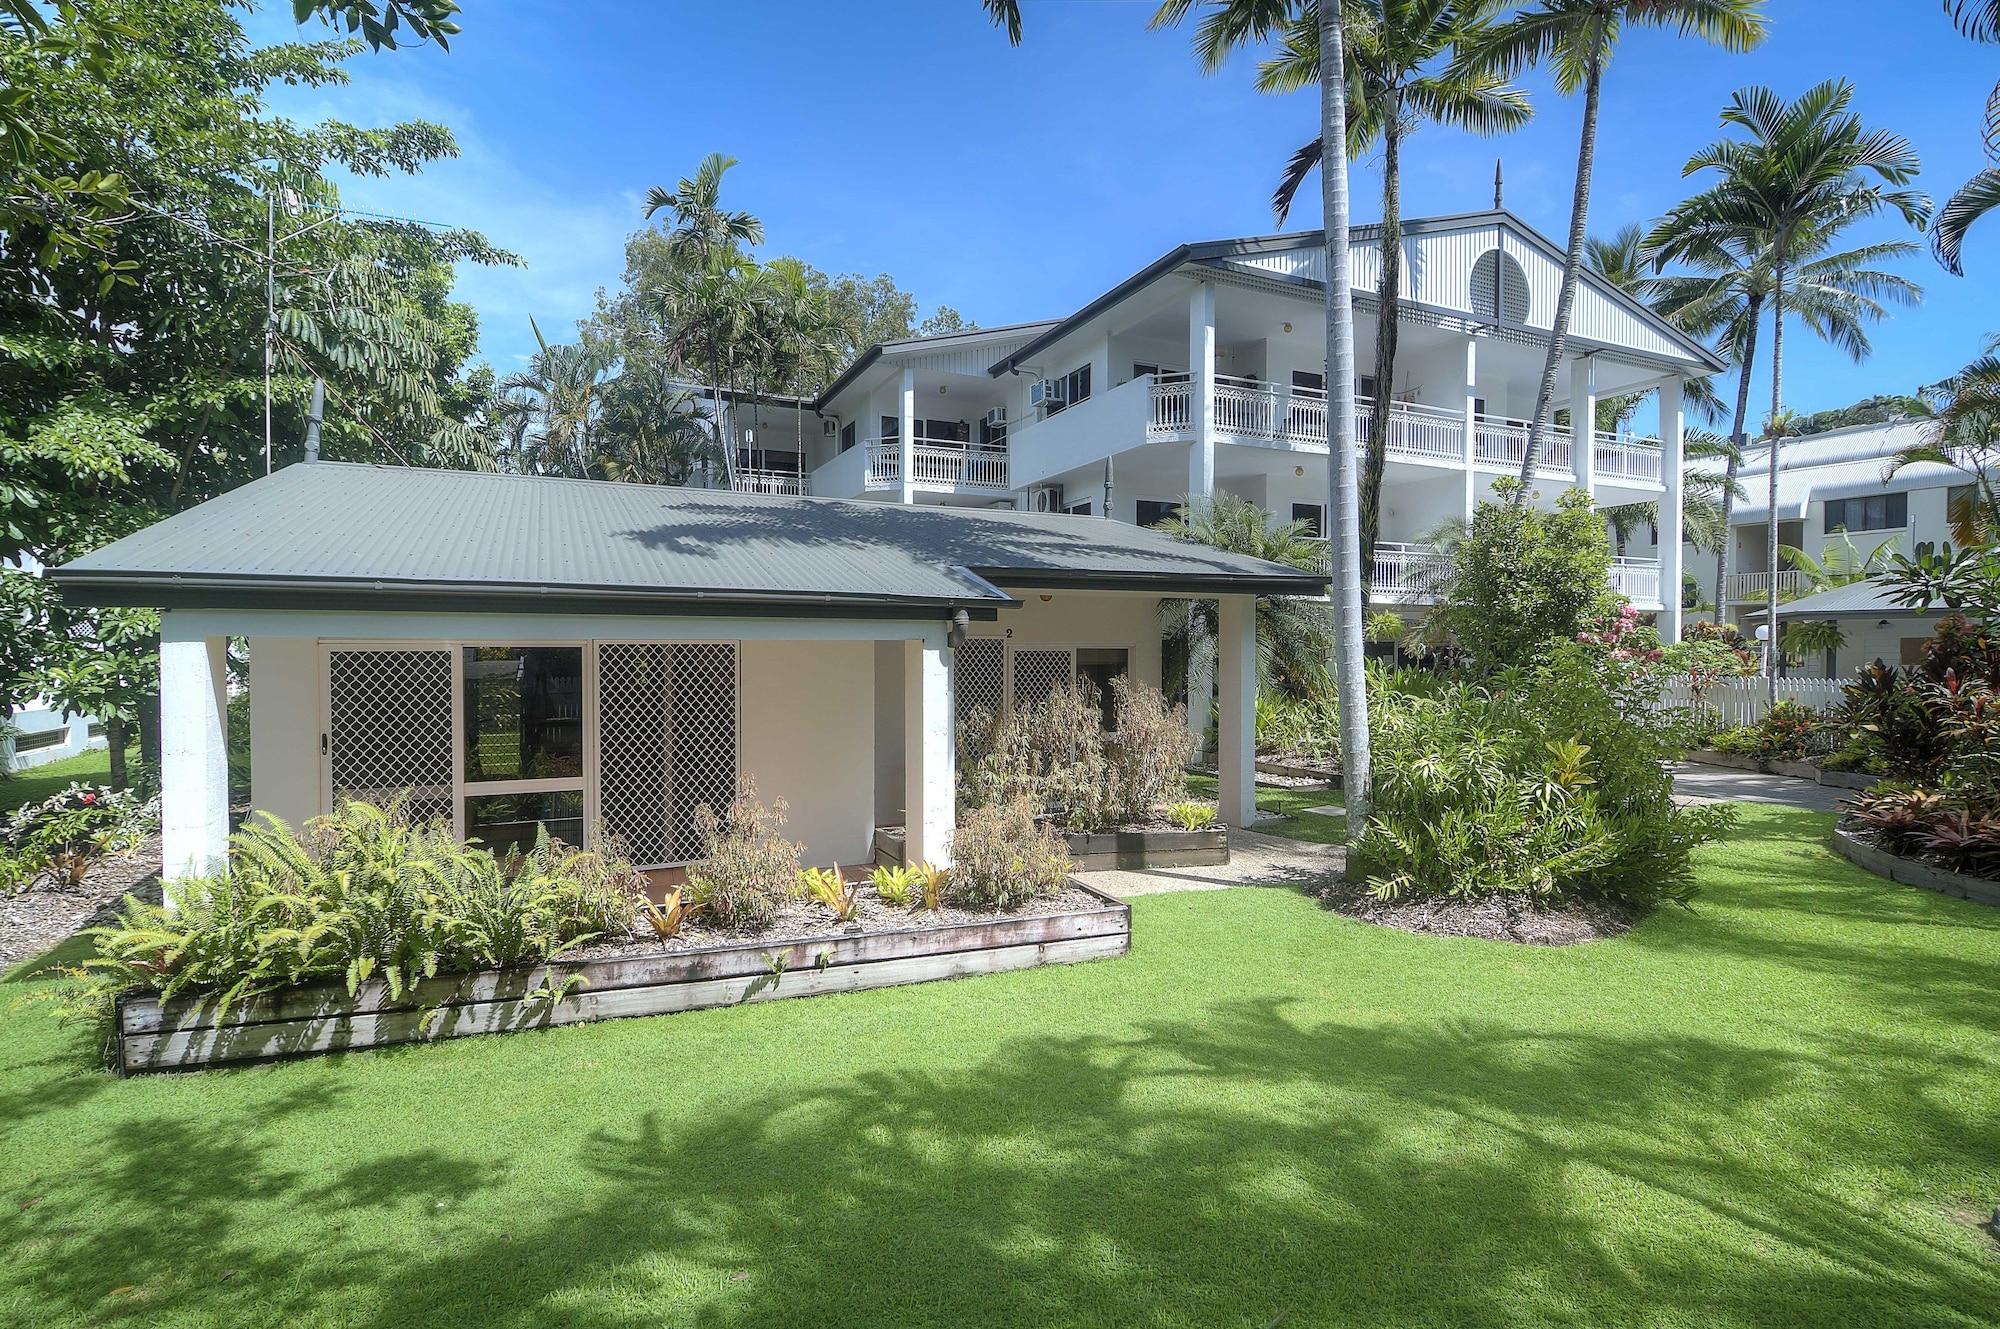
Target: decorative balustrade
{"x":1637,"y":579}
{"x":935,"y":465}
{"x":1627,"y":458}
{"x":1753,"y":587}
{"x":1420,"y":574}
{"x":769,"y":482}
{"x":1427,"y":433}
{"x":1502,"y":442}
{"x":1173,"y":408}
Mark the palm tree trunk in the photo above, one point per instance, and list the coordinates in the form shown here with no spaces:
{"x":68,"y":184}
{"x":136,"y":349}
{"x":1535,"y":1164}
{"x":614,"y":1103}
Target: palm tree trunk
{"x":1579,"y":220}
{"x":1738,"y":438}
{"x":1388,"y":304}
{"x":1771,"y":512}
{"x":1343,"y":500}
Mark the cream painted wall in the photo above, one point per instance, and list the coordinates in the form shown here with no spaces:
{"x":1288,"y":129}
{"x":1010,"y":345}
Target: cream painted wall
{"x":285,"y":714}
{"x":1085,"y":618}
{"x":808,"y":717}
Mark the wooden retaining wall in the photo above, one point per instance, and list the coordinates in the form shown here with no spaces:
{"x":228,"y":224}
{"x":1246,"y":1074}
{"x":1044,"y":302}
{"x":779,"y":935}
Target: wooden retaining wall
{"x":1909,"y":872}
{"x":1798,"y":770}
{"x":1165,"y":847}
{"x":184,"y":1032}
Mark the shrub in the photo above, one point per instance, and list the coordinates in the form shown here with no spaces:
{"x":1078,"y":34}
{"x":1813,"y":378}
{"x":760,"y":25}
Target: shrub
{"x":1192,"y":816}
{"x":57,"y":841}
{"x":931,"y":883}
{"x":894,"y":885}
{"x":1057,"y":756}
{"x":828,"y":887}
{"x":1546,"y":783}
{"x":1306,"y":727}
{"x":1523,"y":579}
{"x":747,"y":870}
{"x":1003,"y":857}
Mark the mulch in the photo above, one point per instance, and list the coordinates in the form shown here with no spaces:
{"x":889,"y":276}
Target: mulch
{"x":41,"y":917}
{"x":1490,"y":918}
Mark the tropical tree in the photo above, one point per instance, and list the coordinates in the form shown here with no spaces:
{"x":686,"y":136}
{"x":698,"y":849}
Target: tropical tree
{"x":1232,"y":23}
{"x":560,"y":397}
{"x":1964,"y":434}
{"x":1576,"y":39}
{"x":1979,"y":20}
{"x":1401,"y":74}
{"x":1293,"y":633}
{"x":1807,"y":170}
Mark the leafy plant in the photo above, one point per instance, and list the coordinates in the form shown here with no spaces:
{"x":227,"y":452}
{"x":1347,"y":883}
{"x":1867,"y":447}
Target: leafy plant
{"x":828,"y":887}
{"x":1057,"y":756}
{"x":931,"y":883}
{"x":1192,"y":816}
{"x":57,"y":841}
{"x":1523,"y":579}
{"x":666,"y":918}
{"x":747,"y":870}
{"x":1003,"y":857}
{"x":894,"y":885}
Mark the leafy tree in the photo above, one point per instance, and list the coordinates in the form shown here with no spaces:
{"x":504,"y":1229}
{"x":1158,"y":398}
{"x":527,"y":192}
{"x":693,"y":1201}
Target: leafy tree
{"x":1808,"y":169}
{"x":1979,"y":20}
{"x":1576,"y":38}
{"x":1523,"y":580}
{"x":1400,"y":75}
{"x":1964,"y":434}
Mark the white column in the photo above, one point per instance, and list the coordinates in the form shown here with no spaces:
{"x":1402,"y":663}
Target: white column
{"x":1471,"y":423}
{"x":1201,"y":389}
{"x":1583,"y":421}
{"x":1236,"y":711}
{"x":930,"y":782}
{"x":194,"y":752}
{"x":906,"y":411}
{"x":1671,"y":427}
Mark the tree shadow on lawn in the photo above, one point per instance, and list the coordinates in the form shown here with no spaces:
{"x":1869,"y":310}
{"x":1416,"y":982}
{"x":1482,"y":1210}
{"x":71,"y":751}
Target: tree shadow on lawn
{"x":1245,"y":1161}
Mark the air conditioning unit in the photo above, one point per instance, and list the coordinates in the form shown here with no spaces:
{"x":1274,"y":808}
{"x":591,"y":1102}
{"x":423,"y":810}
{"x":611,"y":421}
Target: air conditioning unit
{"x":1046,"y":498}
{"x":1048,"y":392}
{"x":997,"y":418}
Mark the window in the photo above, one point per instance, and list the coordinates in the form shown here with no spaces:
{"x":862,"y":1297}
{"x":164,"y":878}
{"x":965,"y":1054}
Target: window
{"x":1309,"y":381}
{"x":1876,"y":512}
{"x":944,"y":431}
{"x":1962,"y":510}
{"x":892,"y":427}
{"x":504,"y":822}
{"x":1099,"y":666}
{"x":523,"y":718}
{"x":1077,"y":388}
{"x":1314,"y":516}
{"x":1140,"y":369}
{"x":847,"y":436}
{"x":1079,"y":509}
{"x":992,"y":435}
{"x":1365,"y":386}
{"x":1153,"y":511}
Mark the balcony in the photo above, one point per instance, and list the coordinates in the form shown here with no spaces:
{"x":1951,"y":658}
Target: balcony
{"x":1250,"y":411}
{"x":937,"y":466}
{"x":1755,"y":587}
{"x":1417,"y":574}
{"x":770,"y":482}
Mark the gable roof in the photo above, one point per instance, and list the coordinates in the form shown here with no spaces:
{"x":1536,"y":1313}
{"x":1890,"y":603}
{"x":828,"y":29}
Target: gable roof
{"x":335,"y":535}
{"x":1850,"y":462}
{"x":948,"y":341}
{"x":1232,"y":253}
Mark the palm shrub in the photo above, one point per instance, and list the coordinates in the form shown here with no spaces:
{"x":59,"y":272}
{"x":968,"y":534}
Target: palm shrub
{"x":1548,"y":784}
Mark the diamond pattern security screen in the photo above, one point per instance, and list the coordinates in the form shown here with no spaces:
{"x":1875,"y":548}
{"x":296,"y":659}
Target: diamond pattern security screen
{"x":666,"y":734}
{"x":389,"y":728}
{"x":1036,"y":674}
{"x":981,"y":682}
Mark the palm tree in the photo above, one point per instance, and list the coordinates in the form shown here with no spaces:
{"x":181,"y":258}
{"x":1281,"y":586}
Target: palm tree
{"x":556,"y":401}
{"x":1979,"y":20}
{"x":1964,"y":415}
{"x":1577,"y":38}
{"x":1398,"y":78}
{"x":812,"y":335}
{"x":1808,"y":170}
{"x":1292,"y":632}
{"x":1234,"y":23}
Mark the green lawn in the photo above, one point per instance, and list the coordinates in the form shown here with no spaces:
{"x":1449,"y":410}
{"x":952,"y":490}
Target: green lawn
{"x":1782,"y":1109}
{"x":92,"y":766}
{"x":1298,"y":823}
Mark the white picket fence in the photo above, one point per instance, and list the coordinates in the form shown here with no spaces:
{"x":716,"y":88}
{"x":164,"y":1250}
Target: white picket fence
{"x":1742,"y":701}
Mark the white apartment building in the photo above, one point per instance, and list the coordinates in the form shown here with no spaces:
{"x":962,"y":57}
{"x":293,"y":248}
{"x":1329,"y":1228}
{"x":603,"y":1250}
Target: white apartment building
{"x":1835,"y":495}
{"x":1204,"y":372}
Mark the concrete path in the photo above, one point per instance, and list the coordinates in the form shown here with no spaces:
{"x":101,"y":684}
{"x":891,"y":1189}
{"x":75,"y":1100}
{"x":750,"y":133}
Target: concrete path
{"x":1255,"y":859}
{"x":1695,"y":783}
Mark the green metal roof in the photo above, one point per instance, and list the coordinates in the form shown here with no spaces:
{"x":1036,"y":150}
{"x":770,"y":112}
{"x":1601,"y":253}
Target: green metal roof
{"x":328,"y":534}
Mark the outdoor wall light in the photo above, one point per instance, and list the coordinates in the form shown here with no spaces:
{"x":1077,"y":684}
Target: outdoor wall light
{"x":1047,"y":598}
{"x":1288,"y":327}
{"x":1298,"y":470}
{"x":961,"y":623}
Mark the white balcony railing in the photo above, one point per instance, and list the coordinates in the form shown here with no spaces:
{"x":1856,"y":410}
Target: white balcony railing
{"x":1627,"y":458}
{"x":1502,"y":442}
{"x":769,"y":482}
{"x":1425,"y":433}
{"x":1752,"y":587}
{"x":1637,"y":579}
{"x":1172,"y":414}
{"x":937,"y":466}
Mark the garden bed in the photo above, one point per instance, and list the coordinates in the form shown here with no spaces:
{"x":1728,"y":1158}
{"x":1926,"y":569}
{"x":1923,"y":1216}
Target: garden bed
{"x":1298,"y":768}
{"x":1860,"y":851}
{"x":1135,"y":848}
{"x":1797,"y":770}
{"x":184,"y":1033}
{"x":1491,"y":917}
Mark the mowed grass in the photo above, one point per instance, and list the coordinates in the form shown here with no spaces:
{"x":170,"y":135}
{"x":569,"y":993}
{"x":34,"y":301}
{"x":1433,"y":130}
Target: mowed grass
{"x":1782,"y":1108}
{"x":91,"y":766}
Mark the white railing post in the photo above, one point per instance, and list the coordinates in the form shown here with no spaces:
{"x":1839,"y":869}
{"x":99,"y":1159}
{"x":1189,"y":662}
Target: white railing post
{"x":1583,"y":422}
{"x":1201,"y":389}
{"x":906,"y":411}
{"x":1471,"y":421}
{"x":1670,"y":512}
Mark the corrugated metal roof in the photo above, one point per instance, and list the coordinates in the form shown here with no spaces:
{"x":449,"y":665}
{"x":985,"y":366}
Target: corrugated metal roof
{"x":1841,"y":463}
{"x":1856,"y":599}
{"x":387,"y":530}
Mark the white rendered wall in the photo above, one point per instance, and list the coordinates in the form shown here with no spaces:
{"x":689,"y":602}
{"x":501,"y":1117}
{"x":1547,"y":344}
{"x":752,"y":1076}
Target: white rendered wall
{"x":808,"y":717}
{"x":285,"y":711}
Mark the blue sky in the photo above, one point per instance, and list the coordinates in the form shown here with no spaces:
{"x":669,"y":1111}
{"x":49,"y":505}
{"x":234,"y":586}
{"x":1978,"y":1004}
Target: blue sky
{"x":906,"y":136}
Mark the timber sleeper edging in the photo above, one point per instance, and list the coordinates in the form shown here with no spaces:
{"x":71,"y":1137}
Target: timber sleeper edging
{"x":184,"y":1033}
{"x":1910,"y":872}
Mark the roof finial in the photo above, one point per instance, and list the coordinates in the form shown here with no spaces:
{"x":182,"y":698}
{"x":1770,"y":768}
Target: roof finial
{"x":1498,"y":186}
